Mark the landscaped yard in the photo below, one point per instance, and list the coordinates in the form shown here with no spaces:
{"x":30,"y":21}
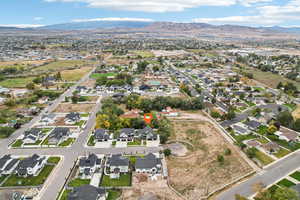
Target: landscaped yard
{"x":285,"y":183}
{"x":64,"y":195}
{"x":134,"y":143}
{"x":263,"y":158}
{"x":15,"y":180}
{"x":2,"y":177}
{"x":91,"y":141}
{"x":124,"y":180}
{"x":296,"y":175}
{"x":53,"y":160}
{"x":67,"y":142}
{"x":17,"y":143}
{"x":78,"y":182}
{"x":282,"y":152}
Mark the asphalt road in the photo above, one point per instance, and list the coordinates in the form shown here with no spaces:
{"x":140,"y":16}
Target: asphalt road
{"x":267,"y":177}
{"x":56,"y":180}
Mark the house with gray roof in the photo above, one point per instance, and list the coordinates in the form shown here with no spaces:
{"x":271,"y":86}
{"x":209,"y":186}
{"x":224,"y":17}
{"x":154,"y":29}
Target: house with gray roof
{"x":48,"y":119}
{"x":147,"y":133}
{"x":72,"y":118}
{"x":149,"y":164}
{"x":88,"y":165}
{"x":87,"y":192}
{"x":253,"y":125}
{"x":58,"y":135}
{"x":102,"y":135}
{"x":126,"y":134}
{"x":31,"y":166}
{"x":32,"y":136}
{"x":8,"y":164}
{"x":117,"y":164}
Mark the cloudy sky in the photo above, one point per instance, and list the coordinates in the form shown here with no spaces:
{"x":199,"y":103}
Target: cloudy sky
{"x":24,"y":13}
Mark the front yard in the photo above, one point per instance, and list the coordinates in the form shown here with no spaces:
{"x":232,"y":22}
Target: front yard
{"x":124,"y":180}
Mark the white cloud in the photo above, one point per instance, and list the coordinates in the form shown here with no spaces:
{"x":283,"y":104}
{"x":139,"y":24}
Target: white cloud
{"x":114,"y":19}
{"x":265,"y":15}
{"x":160,"y":5}
{"x":38,"y":18}
{"x":21,"y":25}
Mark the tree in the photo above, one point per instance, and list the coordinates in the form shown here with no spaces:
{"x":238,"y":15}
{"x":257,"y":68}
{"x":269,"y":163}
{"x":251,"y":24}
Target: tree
{"x":296,"y":125}
{"x":74,"y":99}
{"x":10,"y":102}
{"x":215,"y":115}
{"x":30,"y":86}
{"x":58,"y":76}
{"x":272,"y":129}
{"x":167,"y":152}
{"x":220,"y":159}
{"x":227,"y":152}
{"x":251,"y":152}
{"x":285,"y":118}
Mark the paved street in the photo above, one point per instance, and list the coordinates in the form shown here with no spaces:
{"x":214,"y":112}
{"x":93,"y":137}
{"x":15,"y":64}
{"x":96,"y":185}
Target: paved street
{"x":268,"y":176}
{"x":56,"y":180}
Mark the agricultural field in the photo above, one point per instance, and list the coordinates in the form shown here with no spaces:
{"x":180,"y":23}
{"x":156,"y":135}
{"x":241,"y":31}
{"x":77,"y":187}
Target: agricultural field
{"x":75,"y":74}
{"x":202,"y":168}
{"x":272,"y":80}
{"x":16,"y":82}
{"x":144,"y":54}
{"x":98,"y":75}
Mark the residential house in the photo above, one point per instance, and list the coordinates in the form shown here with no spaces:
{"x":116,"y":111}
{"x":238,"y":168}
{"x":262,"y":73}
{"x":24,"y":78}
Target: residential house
{"x":126,"y":135}
{"x":88,"y":165}
{"x":58,"y":135}
{"x":32,"y":136}
{"x":240,"y":129}
{"x":271,"y":147}
{"x":149,"y":164}
{"x":72,"y":118}
{"x":102,"y":135}
{"x":8,"y":164}
{"x":31,"y":166}
{"x":147,"y":133}
{"x":87,"y":192}
{"x":253,"y":125}
{"x":48,"y":119}
{"x":117,"y":164}
{"x":287,"y":135}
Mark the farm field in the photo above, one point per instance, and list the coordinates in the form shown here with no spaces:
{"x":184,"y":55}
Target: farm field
{"x":75,"y":74}
{"x":68,"y":107}
{"x":202,"y":171}
{"x":16,"y":82}
{"x":99,"y":75}
{"x":272,"y":80}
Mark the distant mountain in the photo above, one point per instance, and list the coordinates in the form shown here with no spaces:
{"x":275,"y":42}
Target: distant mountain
{"x":97,"y":25}
{"x":284,"y":29}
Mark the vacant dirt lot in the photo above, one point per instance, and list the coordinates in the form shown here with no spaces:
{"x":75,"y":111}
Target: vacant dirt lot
{"x":89,"y":83}
{"x":201,"y":171}
{"x":68,"y":107}
{"x":143,"y":187}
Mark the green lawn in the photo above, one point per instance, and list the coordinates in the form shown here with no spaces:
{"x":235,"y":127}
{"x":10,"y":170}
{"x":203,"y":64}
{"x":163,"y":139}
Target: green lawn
{"x":53,"y":160}
{"x":291,"y":106}
{"x":263,"y":140}
{"x":262,"y":130}
{"x":17,"y":143}
{"x":65,"y":194}
{"x":290,"y":146}
{"x":91,"y":141}
{"x":78,"y":182}
{"x":144,"y":54}
{"x":84,"y":115}
{"x":98,"y":75}
{"x":15,"y":180}
{"x":285,"y":183}
{"x":16,"y":82}
{"x":67,"y":142}
{"x":2,"y":177}
{"x":45,"y":142}
{"x":113,"y":194}
{"x":263,"y":158}
{"x":80,"y":123}
{"x":296,"y":175}
{"x":124,"y":180}
{"x":134,"y":143}
{"x":241,"y":138}
{"x":282,"y":152}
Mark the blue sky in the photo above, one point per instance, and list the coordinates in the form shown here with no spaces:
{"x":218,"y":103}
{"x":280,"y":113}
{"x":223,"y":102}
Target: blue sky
{"x":241,"y":12}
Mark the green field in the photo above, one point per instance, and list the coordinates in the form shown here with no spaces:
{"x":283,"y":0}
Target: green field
{"x":16,"y":82}
{"x":17,"y":143}
{"x":68,"y":142}
{"x":263,"y":158}
{"x":53,"y":160}
{"x":113,"y":194}
{"x":124,"y":180}
{"x":285,"y":183}
{"x":99,"y":75}
{"x":15,"y":180}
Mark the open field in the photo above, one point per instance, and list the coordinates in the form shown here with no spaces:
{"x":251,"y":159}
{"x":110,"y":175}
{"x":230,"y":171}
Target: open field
{"x":75,"y":74}
{"x":16,"y":82}
{"x":99,"y":75}
{"x":68,"y":107}
{"x":144,"y":54}
{"x":60,"y":65}
{"x":296,"y":112}
{"x":268,"y":78}
{"x":203,"y":173}
{"x":21,"y":63}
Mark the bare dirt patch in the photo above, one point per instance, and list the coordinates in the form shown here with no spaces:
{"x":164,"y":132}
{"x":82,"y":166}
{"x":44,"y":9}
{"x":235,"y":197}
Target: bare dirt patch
{"x":296,"y":113}
{"x":145,"y":187}
{"x":203,"y":173}
{"x":89,"y":83}
{"x":68,"y":107}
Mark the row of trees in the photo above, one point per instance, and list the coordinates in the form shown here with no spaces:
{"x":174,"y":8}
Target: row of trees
{"x":159,"y":103}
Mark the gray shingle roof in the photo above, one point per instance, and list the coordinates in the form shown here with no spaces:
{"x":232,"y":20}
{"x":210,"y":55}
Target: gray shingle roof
{"x":86,"y":192}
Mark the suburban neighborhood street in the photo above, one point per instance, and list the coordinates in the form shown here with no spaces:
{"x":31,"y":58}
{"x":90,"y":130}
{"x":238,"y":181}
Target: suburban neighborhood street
{"x":267,"y":176}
